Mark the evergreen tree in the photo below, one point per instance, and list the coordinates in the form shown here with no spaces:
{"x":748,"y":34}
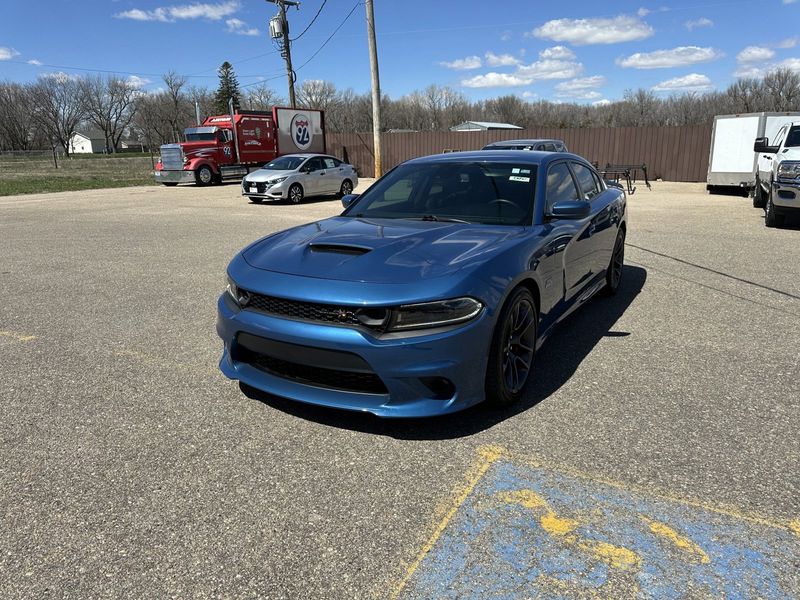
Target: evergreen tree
{"x":228,"y":88}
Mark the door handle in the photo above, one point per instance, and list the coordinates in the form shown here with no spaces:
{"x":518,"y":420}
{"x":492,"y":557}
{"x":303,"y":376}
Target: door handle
{"x":767,"y":157}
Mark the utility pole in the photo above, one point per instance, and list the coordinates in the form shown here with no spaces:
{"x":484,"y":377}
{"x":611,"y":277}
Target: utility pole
{"x":376,"y":88}
{"x":281,"y":30}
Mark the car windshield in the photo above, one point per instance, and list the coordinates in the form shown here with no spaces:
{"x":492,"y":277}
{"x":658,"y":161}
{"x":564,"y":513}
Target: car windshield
{"x":201,"y":137}
{"x":284,"y":163}
{"x":793,"y":139}
{"x":473,"y":192}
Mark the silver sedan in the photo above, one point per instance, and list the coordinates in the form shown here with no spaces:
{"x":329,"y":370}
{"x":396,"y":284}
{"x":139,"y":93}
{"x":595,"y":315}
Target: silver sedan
{"x":296,"y":176}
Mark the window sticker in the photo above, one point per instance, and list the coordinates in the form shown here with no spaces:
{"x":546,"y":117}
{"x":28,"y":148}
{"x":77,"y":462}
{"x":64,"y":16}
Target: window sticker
{"x":516,"y":178}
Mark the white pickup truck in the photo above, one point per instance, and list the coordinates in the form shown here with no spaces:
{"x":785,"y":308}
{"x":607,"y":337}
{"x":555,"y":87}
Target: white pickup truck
{"x":777,"y":188}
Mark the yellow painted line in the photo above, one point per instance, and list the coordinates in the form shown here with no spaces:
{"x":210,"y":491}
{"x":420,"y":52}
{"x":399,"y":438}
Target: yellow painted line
{"x":680,"y":541}
{"x":487,"y":456}
{"x":17,"y":336}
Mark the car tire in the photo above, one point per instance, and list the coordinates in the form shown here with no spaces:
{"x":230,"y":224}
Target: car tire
{"x":169,"y":184}
{"x":204,"y":176}
{"x":347,"y":188}
{"x":771,"y":217}
{"x":296,"y":193}
{"x":759,"y":201}
{"x":255,"y":199}
{"x":513,"y":349}
{"x":616,"y":266}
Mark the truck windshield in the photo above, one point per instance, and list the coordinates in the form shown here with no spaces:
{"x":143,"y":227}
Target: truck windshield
{"x":793,"y":139}
{"x":471,"y":192}
{"x":201,"y":137}
{"x":285,"y":163}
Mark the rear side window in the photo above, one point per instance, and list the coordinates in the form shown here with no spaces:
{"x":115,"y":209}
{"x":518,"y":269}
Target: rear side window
{"x":586,"y":180}
{"x":560,"y":185}
{"x":550,"y":147}
{"x":329,"y":163}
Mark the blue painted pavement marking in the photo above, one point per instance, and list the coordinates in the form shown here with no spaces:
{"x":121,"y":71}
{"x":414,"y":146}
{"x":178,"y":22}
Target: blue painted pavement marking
{"x":529,"y":532}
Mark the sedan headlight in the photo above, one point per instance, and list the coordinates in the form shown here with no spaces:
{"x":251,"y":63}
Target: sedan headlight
{"x":240,"y":297}
{"x":789,"y":169}
{"x":434,"y":314}
{"x":277,"y":180}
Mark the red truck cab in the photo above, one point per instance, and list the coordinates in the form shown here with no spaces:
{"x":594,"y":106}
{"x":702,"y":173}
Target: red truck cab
{"x":230,"y":146}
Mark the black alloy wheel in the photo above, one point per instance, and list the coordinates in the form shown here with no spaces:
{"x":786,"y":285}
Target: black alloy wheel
{"x":512,"y":351}
{"x":296,"y":193}
{"x":758,"y":195}
{"x":204,"y":176}
{"x":617,"y":264}
{"x":771,"y":216}
{"x":347,"y":188}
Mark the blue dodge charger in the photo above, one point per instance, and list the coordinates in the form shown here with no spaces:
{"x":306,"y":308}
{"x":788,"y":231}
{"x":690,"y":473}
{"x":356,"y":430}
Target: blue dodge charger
{"x":432,"y":291}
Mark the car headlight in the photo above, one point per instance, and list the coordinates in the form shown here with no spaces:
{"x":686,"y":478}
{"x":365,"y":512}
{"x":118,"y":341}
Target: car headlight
{"x":434,"y":314}
{"x":278,"y":180}
{"x":789,"y":169}
{"x":239,"y":296}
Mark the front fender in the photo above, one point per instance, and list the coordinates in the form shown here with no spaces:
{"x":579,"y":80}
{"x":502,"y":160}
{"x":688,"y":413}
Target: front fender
{"x":195,"y":163}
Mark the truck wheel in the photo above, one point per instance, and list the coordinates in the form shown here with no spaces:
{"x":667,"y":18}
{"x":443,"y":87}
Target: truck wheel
{"x":512,"y":350}
{"x":296,"y":193}
{"x":772,"y":218}
{"x":347,"y":188}
{"x":758,"y":195}
{"x":203,"y":175}
{"x":169,"y":184}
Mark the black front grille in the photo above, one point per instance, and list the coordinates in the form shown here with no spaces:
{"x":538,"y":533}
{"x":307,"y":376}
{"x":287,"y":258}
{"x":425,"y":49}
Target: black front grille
{"x":367,"y":383}
{"x":306,"y":311}
{"x":261,"y":188}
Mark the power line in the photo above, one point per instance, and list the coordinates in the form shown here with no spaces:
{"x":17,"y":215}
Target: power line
{"x":312,"y":22}
{"x":330,"y":37}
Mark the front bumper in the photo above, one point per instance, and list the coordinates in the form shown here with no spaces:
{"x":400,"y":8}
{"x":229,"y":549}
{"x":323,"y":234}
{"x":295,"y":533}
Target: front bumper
{"x":264,"y":190}
{"x":405,"y":364}
{"x":786,"y":195}
{"x":163,"y":176}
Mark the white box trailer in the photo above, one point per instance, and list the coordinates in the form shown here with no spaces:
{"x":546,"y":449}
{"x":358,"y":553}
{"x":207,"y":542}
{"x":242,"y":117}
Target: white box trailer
{"x":732,"y":162}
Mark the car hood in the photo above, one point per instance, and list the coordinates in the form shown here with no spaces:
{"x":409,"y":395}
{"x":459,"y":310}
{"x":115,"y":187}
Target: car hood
{"x":792,"y":153}
{"x":267,"y":174}
{"x":379,"y":250}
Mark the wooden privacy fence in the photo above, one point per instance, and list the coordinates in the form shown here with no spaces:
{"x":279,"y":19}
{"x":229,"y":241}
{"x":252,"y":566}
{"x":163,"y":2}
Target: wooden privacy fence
{"x":671,"y":153}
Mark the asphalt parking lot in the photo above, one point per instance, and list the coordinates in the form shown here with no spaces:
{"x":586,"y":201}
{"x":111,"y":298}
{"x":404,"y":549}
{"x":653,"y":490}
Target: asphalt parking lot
{"x":657,"y":446}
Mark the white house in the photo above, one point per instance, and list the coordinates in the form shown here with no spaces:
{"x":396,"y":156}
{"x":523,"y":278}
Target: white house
{"x":87,"y":143}
{"x":482,"y":126}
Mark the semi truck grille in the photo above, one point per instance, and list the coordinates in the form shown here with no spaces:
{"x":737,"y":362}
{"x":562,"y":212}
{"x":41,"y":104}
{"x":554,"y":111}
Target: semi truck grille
{"x":172,"y":157}
{"x":306,"y":311}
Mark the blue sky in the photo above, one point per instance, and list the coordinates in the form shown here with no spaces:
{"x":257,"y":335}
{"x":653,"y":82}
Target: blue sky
{"x":566,"y":51}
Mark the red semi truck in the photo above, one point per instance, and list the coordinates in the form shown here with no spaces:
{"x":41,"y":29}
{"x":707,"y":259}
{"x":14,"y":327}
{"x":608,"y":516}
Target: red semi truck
{"x":228,"y":146}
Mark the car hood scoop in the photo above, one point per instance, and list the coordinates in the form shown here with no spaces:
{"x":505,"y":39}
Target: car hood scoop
{"x":379,"y":250}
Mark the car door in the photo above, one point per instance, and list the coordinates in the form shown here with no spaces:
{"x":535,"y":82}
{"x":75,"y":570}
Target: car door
{"x":561,"y":185}
{"x":332,"y":177}
{"x":605,"y":218}
{"x":765,"y":159}
{"x":312,"y":176}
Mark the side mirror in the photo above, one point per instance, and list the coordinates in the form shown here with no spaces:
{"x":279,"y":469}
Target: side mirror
{"x":571,"y":209}
{"x":762,"y":145}
{"x":348,"y":200}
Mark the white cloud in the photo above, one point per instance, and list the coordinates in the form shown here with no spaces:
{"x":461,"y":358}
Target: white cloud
{"x":505,"y":36}
{"x":525,"y":74}
{"x":793,"y":64}
{"x":528,"y":95}
{"x":677,"y":57}
{"x":789,"y":1}
{"x":643,"y":12}
{"x":239,"y":27}
{"x":603,"y":102}
{"x":557,"y":53}
{"x":35,"y":62}
{"x":697,"y":23}
{"x":7,"y":53}
{"x":749,"y":71}
{"x":463,"y":64}
{"x":693,"y":82}
{"x":137,"y":82}
{"x":581,"y":32}
{"x":787,"y":43}
{"x":496,"y":80}
{"x":755,"y":54}
{"x":168,"y":14}
{"x":500,"y":60}
{"x":551,"y":69}
{"x":582,"y":88}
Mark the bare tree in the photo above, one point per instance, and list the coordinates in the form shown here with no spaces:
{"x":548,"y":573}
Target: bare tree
{"x":317,"y":94}
{"x":782,"y":88}
{"x":262,"y":97}
{"x":59,"y":107}
{"x":110,"y":104}
{"x":17,"y":124}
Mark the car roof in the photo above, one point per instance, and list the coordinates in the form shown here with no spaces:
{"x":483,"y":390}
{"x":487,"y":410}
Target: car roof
{"x":527,"y":157}
{"x":526,"y":142}
{"x":307,"y":155}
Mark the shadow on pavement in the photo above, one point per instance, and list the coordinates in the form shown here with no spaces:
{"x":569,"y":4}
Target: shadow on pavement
{"x":556,"y":362}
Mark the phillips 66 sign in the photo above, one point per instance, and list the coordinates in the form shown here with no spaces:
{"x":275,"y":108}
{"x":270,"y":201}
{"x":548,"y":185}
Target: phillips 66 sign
{"x":300,"y":130}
